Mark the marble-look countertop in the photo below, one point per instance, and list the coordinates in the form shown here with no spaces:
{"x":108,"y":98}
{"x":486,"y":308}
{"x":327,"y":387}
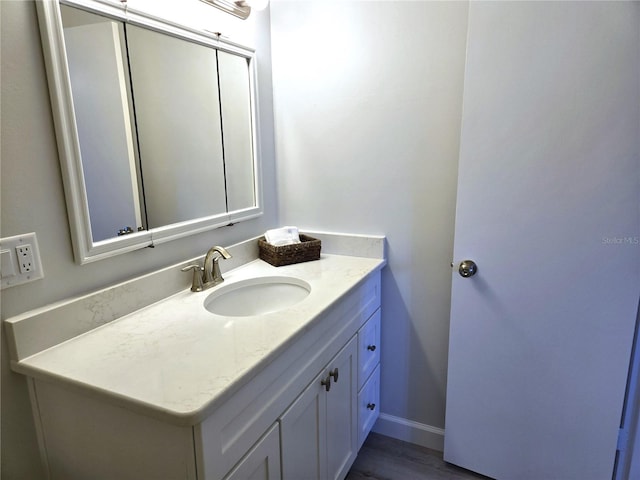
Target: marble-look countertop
{"x":178,"y":360}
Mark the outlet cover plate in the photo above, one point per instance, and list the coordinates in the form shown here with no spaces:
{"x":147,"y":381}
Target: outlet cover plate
{"x":11,"y":272}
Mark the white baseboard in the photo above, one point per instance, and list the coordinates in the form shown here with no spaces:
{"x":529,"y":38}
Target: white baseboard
{"x":410,"y":431}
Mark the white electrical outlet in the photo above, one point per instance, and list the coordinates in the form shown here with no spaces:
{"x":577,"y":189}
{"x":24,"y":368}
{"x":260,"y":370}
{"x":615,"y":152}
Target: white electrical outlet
{"x":20,"y":260}
{"x":25,"y":258}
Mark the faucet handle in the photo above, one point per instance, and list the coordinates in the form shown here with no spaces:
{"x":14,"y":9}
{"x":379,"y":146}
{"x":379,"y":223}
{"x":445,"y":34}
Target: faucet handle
{"x":196,"y":283}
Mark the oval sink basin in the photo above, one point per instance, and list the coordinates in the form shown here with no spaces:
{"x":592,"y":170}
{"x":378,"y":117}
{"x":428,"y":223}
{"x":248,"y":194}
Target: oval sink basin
{"x":257,"y":296}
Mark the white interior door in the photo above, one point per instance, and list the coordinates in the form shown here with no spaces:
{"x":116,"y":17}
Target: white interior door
{"x":548,"y":208}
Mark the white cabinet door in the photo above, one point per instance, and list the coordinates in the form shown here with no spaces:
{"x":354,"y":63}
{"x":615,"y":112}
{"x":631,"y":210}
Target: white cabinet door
{"x":319,"y":431}
{"x":263,"y":460}
{"x":342,"y":413}
{"x":304,"y":451}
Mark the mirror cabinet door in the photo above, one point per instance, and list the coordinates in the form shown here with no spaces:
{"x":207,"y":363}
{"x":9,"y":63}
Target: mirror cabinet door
{"x":99,"y":77}
{"x":156,"y":126}
{"x":238,"y":132}
{"x":177,"y":105}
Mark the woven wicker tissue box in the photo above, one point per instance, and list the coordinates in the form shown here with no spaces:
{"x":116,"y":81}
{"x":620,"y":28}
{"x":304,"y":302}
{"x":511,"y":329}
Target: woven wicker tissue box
{"x":307,"y":250}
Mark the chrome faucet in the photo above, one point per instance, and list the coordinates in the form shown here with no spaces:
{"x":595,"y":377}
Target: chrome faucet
{"x":211,"y":268}
{"x":208,"y":275}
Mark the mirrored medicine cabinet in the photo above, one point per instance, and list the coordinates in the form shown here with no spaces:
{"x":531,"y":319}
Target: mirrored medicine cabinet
{"x":156,"y":126}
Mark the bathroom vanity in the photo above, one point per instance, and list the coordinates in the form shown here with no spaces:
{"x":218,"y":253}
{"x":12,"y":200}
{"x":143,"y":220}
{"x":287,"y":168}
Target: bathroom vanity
{"x":173,"y":391}
{"x":147,"y":379}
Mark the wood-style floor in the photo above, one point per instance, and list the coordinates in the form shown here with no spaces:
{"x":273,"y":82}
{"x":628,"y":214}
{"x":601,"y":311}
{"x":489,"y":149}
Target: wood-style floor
{"x":385,"y":458}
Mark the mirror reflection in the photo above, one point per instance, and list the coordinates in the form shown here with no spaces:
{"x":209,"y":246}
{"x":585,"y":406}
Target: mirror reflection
{"x":177,"y":105}
{"x":99,"y":77}
{"x":236,"y":118}
{"x":164,"y":125}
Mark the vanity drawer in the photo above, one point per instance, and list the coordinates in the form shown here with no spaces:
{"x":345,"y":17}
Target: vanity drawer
{"x":368,"y":406}
{"x":368,"y":348}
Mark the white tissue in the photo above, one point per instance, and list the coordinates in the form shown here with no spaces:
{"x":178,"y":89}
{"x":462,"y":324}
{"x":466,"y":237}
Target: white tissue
{"x":282,"y":236}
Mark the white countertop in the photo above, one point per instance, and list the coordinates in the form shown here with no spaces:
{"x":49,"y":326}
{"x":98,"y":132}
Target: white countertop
{"x":175,"y":358}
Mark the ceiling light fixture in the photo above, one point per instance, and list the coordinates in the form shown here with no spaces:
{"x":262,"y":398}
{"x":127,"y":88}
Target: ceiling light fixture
{"x":238,"y":8}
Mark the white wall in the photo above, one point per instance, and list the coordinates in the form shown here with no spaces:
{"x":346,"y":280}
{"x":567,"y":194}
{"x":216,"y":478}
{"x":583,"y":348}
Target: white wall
{"x":367,"y":102}
{"x":32,"y":200}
